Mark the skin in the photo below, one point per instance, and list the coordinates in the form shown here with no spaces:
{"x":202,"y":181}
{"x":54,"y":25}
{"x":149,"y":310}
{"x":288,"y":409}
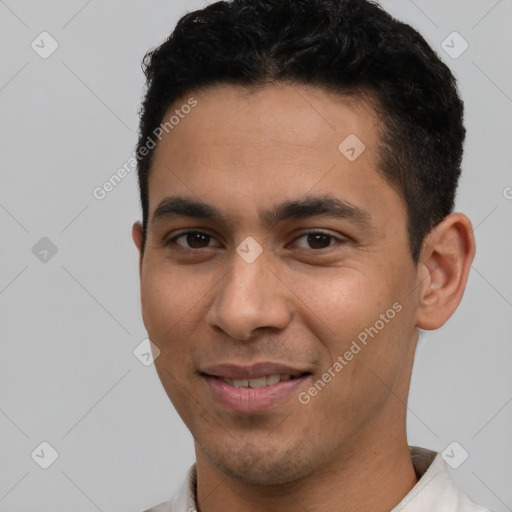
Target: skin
{"x":298,"y":303}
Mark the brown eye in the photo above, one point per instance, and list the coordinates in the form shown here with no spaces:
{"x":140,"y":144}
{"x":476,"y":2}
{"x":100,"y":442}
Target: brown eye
{"x":318,"y":240}
{"x":193,"y":239}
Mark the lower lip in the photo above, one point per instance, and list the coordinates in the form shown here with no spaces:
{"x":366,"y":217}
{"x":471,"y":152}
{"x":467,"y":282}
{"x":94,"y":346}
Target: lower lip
{"x":252,"y":400}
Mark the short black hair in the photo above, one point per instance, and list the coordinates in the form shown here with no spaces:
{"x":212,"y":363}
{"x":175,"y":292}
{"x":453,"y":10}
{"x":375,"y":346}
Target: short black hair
{"x":348,"y":47}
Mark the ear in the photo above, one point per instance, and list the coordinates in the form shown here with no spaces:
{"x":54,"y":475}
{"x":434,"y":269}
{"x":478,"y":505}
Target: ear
{"x":137,"y":239}
{"x":443,"y":269}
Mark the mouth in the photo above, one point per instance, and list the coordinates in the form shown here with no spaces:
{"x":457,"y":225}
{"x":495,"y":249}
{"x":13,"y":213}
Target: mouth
{"x":251,"y":389}
{"x":259,"y":382}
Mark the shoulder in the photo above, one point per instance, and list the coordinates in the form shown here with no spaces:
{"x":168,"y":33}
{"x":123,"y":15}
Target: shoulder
{"x":163,"y":507}
{"x":435,"y":490}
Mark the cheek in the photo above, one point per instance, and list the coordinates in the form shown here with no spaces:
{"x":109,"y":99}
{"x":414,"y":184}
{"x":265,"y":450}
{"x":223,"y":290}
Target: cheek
{"x":171,"y":300}
{"x":168,"y":296}
{"x":360,"y":318}
{"x":342,"y":304}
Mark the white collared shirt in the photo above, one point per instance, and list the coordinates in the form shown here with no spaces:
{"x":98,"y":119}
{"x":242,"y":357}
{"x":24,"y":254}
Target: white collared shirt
{"x":434,"y":492}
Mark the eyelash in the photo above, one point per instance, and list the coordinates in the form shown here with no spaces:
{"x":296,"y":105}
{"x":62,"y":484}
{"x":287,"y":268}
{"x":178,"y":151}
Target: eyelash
{"x":172,"y":240}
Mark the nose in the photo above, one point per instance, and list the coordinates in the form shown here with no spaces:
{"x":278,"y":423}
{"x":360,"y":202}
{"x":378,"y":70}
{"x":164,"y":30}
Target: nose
{"x":250,"y":296}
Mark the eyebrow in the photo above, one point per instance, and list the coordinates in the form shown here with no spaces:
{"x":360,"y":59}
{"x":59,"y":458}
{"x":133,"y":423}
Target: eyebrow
{"x":177,"y":206}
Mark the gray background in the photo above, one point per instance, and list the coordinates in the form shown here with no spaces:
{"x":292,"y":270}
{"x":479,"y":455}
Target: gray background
{"x":70,"y":323}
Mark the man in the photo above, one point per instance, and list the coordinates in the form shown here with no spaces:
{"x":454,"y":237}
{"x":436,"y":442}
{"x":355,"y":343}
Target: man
{"x":298,"y":163}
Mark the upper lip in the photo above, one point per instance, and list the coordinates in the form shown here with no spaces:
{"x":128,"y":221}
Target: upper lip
{"x":253,"y":371}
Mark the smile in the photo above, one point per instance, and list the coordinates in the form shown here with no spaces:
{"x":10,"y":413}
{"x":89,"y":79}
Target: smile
{"x":253,"y":394}
{"x":261,"y":382}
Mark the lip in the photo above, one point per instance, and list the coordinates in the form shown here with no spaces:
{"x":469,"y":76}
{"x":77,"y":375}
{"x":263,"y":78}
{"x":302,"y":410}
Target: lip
{"x":253,"y":371}
{"x":249,"y":400}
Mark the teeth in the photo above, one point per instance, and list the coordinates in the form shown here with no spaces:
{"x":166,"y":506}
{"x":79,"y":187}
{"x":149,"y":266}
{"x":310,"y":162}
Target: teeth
{"x":273,"y":379}
{"x":260,"y":382}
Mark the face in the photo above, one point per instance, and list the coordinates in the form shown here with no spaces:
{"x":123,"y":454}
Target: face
{"x":277,"y":282}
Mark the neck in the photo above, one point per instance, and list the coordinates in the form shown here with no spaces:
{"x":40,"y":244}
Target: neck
{"x":375,"y":478}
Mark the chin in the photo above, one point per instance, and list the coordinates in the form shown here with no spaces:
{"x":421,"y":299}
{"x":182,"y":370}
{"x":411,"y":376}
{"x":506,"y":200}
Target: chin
{"x":254,"y":464}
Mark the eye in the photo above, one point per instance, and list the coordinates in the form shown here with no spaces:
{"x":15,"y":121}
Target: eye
{"x":318,"y":240}
{"x":315,"y":240}
{"x":194,"y":239}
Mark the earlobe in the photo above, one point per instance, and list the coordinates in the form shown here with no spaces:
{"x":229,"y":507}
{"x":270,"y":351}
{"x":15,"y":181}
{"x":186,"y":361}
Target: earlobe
{"x":137,"y":234}
{"x":443,"y":271}
{"x":137,"y":239}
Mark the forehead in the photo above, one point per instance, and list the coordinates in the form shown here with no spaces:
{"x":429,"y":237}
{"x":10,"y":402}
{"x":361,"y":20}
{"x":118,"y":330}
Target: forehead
{"x":243,"y":146}
{"x":300,"y":115}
